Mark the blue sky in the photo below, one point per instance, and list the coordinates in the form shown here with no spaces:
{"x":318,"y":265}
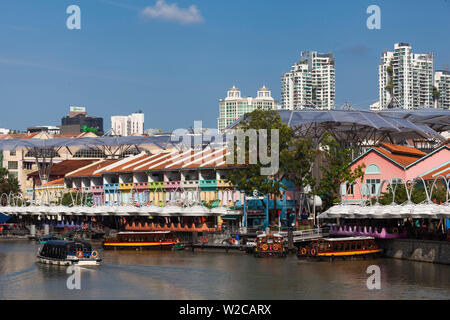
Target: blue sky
{"x":175,"y":63}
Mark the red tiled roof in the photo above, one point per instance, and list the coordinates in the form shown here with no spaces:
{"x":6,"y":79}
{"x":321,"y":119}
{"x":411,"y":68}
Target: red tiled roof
{"x":442,"y":171}
{"x":186,"y":160}
{"x":121,"y":166}
{"x":64,"y":167}
{"x":90,"y":170}
{"x":54,"y":182}
{"x":403,"y":160}
{"x":403,"y":150}
{"x":22,"y":135}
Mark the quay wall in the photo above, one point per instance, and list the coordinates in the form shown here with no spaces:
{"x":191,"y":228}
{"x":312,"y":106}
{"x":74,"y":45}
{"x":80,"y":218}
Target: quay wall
{"x":416,"y":250}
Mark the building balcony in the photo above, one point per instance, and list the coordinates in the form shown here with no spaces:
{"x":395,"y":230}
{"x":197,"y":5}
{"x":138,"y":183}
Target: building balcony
{"x":190,"y":183}
{"x":156,"y":185}
{"x":223,"y":183}
{"x":96,"y":189}
{"x":141,"y":185}
{"x":111,"y":187}
{"x":208,"y":183}
{"x":126,"y":186}
{"x":172,"y":184}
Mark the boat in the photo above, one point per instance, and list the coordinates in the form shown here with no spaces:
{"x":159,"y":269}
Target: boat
{"x":269,"y":245}
{"x":66,"y":253}
{"x":349,"y":247}
{"x":148,"y":240}
{"x":179,"y":246}
{"x":46,"y":238}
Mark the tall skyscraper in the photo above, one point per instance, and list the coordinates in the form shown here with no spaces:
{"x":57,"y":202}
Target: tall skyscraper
{"x":441,"y":90}
{"x":405,"y":79}
{"x":128,"y":125}
{"x":234,"y":106}
{"x":310,"y":83}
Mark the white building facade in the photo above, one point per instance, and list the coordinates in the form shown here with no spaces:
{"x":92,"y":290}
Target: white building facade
{"x":128,"y":125}
{"x":234,"y":105}
{"x":441,"y":90}
{"x":405,"y":79}
{"x":310,"y":83}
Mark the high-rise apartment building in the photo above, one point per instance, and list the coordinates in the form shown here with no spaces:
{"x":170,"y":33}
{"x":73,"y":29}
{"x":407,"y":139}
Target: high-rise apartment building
{"x":234,"y":106}
{"x":441,"y":90}
{"x":310,"y":83}
{"x":128,"y":125}
{"x":405,"y":79}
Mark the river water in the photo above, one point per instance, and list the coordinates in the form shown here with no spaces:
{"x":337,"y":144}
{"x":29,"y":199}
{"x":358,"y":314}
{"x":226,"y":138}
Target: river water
{"x":208,"y":275}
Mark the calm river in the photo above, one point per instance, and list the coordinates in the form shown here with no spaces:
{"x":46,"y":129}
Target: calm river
{"x":207,"y":275}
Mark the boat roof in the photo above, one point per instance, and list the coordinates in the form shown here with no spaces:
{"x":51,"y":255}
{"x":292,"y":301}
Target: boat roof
{"x":269,"y":235}
{"x":65,"y":242}
{"x":142,"y":232}
{"x":348,"y":239}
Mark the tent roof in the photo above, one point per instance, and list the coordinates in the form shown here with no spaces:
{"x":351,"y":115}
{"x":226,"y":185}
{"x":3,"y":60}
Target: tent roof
{"x":346,"y":124}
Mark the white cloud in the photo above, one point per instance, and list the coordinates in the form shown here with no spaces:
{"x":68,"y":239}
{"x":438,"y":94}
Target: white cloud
{"x":171,"y":12}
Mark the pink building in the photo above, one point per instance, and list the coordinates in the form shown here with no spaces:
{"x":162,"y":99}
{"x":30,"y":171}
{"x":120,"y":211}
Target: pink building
{"x":394,"y":163}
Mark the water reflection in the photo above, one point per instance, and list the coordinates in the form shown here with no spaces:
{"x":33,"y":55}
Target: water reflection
{"x":196,"y":275}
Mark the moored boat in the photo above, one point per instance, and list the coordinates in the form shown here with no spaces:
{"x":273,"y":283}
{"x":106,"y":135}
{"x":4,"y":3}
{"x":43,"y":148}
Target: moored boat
{"x":46,"y":238}
{"x":65,"y":253}
{"x":269,"y":245}
{"x":148,"y":240}
{"x":350,"y":247}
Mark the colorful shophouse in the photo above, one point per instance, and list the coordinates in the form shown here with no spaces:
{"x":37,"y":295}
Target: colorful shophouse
{"x":167,"y":178}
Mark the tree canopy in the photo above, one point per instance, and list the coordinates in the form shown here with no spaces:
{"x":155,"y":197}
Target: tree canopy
{"x":8,"y":183}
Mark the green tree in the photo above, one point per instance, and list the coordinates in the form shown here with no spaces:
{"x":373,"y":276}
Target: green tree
{"x":418,"y":193}
{"x":70,"y":199}
{"x":8,"y":183}
{"x":336,"y":170}
{"x":295,"y":157}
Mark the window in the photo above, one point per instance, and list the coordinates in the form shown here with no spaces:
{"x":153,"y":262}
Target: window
{"x":28,"y":165}
{"x":12,"y":153}
{"x":13,"y":175}
{"x":397,"y":180}
{"x":373,"y":169}
{"x":13,"y":165}
{"x":372,"y":186}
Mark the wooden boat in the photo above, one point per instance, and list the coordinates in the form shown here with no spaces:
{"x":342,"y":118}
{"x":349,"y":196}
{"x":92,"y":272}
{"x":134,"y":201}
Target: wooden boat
{"x":148,"y":240}
{"x":270,"y":245}
{"x":331,"y":248}
{"x":64,"y":253}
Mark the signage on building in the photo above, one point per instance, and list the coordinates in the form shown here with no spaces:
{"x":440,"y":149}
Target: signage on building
{"x":77,"y":109}
{"x":85,"y":128}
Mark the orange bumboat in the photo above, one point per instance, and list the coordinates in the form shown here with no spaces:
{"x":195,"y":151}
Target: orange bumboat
{"x":331,"y":248}
{"x":270,"y":245}
{"x":150,"y":240}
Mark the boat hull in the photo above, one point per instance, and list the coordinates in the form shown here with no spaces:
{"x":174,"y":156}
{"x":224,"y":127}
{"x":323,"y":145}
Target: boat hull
{"x":264,"y":254}
{"x":353,"y":255}
{"x":138,"y":245}
{"x":66,"y":262}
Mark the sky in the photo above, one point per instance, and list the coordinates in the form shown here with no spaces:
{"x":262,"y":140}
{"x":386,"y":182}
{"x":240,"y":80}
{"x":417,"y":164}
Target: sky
{"x":174,"y":59}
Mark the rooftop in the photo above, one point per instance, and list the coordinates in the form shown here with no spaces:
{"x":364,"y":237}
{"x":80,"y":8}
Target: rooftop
{"x":402,"y":155}
{"x":62,"y":168}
